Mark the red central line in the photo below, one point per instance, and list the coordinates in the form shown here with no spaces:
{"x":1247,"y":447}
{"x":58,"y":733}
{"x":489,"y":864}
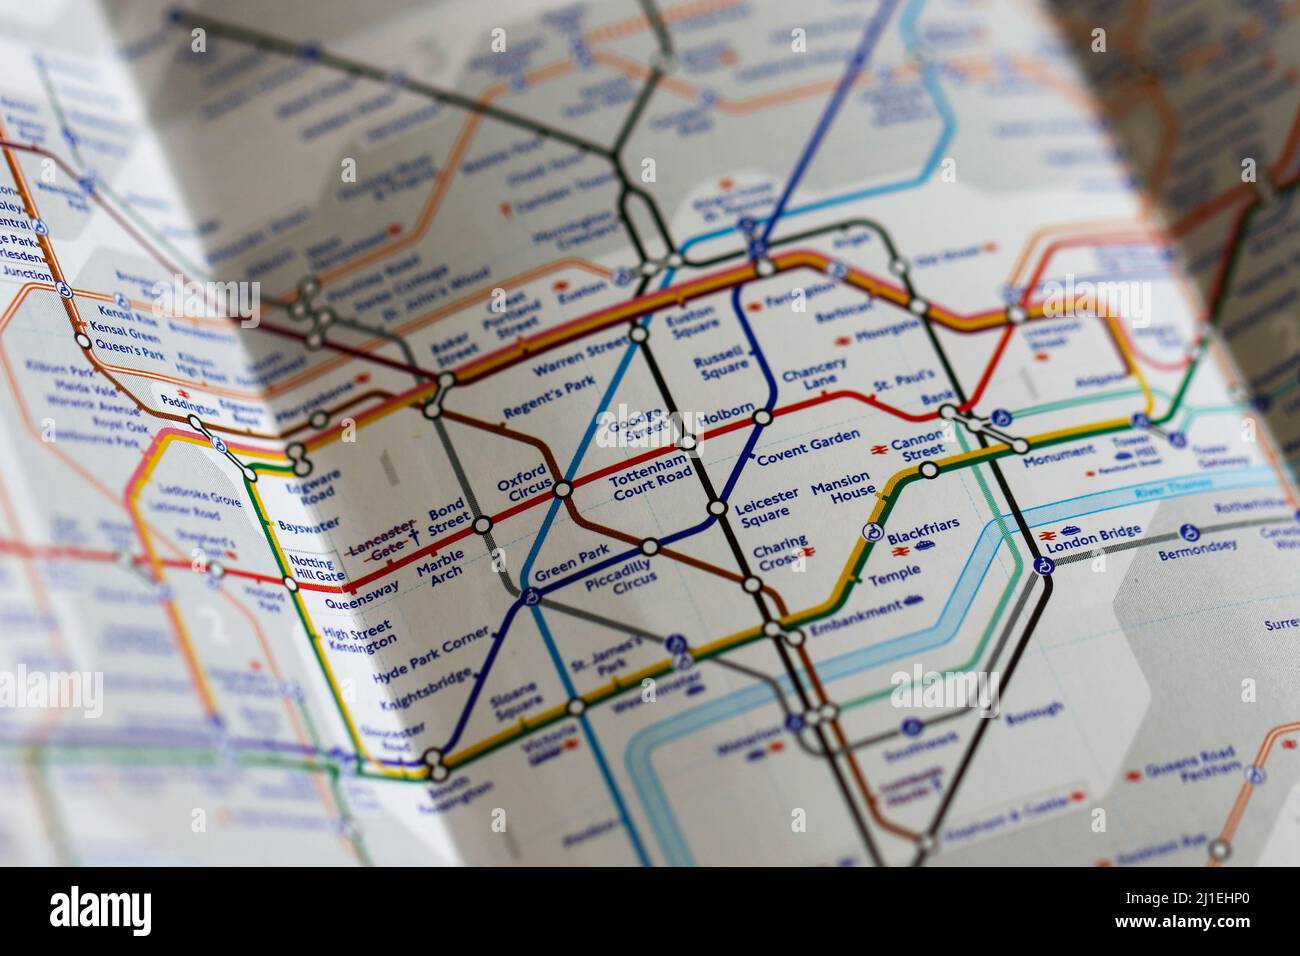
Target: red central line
{"x":32,"y":552}
{"x":545,"y":496}
{"x":988,"y":371}
{"x":429,"y":549}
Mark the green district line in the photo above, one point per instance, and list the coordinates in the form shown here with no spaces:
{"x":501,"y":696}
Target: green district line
{"x":1175,"y":406}
{"x":188,"y":755}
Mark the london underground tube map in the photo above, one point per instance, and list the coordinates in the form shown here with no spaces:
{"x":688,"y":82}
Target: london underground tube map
{"x":690,"y":432}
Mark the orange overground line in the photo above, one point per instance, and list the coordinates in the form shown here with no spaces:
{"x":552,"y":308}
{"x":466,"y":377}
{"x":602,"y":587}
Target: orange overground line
{"x":1146,"y":238}
{"x":1150,"y":234}
{"x":47,"y":247}
{"x":142,"y":527}
{"x":107,"y":369}
{"x":511,"y":283}
{"x":678,"y":295}
{"x":1040,"y":71}
{"x":134,"y":487}
{"x":30,"y":553}
{"x":970,"y":65}
{"x":53,"y":447}
{"x":450,"y":169}
{"x":181,"y":382}
{"x":1149,"y":237}
{"x":1227,"y":368}
{"x":450,"y":309}
{"x":1209,"y":52}
{"x":443,"y":182}
{"x":1211,"y":208}
{"x":338,"y":361}
{"x":529,"y":347}
{"x":1172,"y":135}
{"x":1116,"y":330}
{"x":1227,"y":364}
{"x":670,"y":15}
{"x":556,"y":69}
{"x":736,"y":107}
{"x":675,"y":295}
{"x":396,"y":402}
{"x":425,"y":218}
{"x":29,"y":287}
{"x":1248,"y":789}
{"x":278,"y":330}
{"x":1191,"y":219}
{"x":139,"y":479}
{"x":38,"y":585}
{"x":989,"y":315}
{"x":35,"y":583}
{"x":1042,"y":233}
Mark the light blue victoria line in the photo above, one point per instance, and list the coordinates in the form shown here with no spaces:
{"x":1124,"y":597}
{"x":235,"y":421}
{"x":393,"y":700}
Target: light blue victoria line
{"x":929,"y":77}
{"x":930,"y":80}
{"x":615,"y":794}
